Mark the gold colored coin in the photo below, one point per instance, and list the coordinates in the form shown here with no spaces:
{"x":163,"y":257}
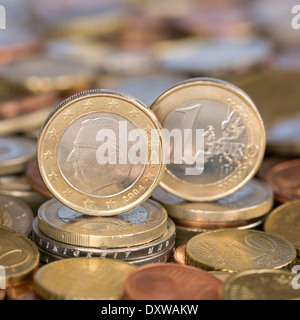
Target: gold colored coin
{"x":18,"y":255}
{"x":140,"y":225}
{"x":238,"y":250}
{"x":284,"y":222}
{"x":226,"y":120}
{"x":260,"y":285}
{"x":82,"y":279}
{"x":253,"y":201}
{"x":89,"y":158}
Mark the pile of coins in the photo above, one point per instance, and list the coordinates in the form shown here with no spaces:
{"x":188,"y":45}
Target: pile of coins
{"x":145,"y":153}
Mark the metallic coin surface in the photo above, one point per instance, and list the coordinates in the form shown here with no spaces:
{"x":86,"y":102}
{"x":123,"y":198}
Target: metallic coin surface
{"x":284,"y":222}
{"x":18,"y":255}
{"x":96,"y":178}
{"x":179,"y":254}
{"x":239,"y":250}
{"x":16,"y":214}
{"x":284,"y":180}
{"x":22,"y":291}
{"x":268,"y":163}
{"x":260,"y":285}
{"x":232,"y":139}
{"x":160,"y":257}
{"x":43,"y":74}
{"x":34,"y":178}
{"x":170,"y":281}
{"x":253,"y":201}
{"x":15,"y":153}
{"x":138,"y":226}
{"x":82,"y":279}
{"x":165,"y":242}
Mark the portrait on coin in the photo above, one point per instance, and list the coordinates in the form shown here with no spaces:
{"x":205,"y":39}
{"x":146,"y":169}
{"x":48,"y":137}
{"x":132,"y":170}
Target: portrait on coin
{"x":84,"y":169}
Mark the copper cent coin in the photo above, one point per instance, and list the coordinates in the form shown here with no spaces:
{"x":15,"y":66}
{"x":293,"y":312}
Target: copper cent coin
{"x":35,"y":180}
{"x":284,"y":180}
{"x":179,"y":254}
{"x":171,"y":281}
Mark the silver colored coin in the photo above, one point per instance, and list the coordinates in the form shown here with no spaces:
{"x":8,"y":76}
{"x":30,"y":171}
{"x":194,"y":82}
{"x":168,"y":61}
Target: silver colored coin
{"x":164,"y":256}
{"x":16,"y":215}
{"x":144,"y":251}
{"x":15,"y":153}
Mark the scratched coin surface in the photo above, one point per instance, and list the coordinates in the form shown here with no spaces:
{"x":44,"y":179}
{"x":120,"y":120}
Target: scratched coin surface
{"x":16,"y":214}
{"x":101,"y":153}
{"x":260,"y":285}
{"x":18,"y":255}
{"x":221,"y":134}
{"x":165,"y":242}
{"x":82,"y":279}
{"x":253,"y":201}
{"x":284,"y":221}
{"x":140,"y":225}
{"x":239,"y":250}
{"x":171,"y":281}
{"x":15,"y":153}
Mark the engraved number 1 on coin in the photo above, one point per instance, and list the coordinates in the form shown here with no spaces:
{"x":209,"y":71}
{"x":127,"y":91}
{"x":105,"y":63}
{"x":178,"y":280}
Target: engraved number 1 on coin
{"x":187,"y":126}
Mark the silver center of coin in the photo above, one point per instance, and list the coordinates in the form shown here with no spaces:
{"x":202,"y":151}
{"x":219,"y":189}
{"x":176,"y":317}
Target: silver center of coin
{"x":78,"y":155}
{"x":136,"y":216}
{"x":224,"y":135}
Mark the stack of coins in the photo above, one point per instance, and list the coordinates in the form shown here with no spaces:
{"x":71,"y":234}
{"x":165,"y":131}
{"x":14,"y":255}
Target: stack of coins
{"x":142,"y":235}
{"x":245,"y":209}
{"x":101,"y":206}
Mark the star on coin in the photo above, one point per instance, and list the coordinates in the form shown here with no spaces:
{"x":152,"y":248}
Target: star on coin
{"x":114,"y":105}
{"x":134,"y":113}
{"x":68,"y":116}
{"x":48,"y":155}
{"x":53,"y":176}
{"x":88,"y":106}
{"x":149,"y":177}
{"x":67,"y":193}
{"x":87,"y":203}
{"x":53,"y":133}
{"x":148,"y":129}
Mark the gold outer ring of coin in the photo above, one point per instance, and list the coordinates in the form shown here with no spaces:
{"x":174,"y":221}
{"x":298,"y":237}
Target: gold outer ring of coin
{"x":85,"y":104}
{"x":227,"y":94}
{"x":283,"y":221}
{"x":247,"y":285}
{"x":82,"y":279}
{"x":103,"y":232}
{"x":239,"y":250}
{"x":20,"y":256}
{"x":236,"y":209}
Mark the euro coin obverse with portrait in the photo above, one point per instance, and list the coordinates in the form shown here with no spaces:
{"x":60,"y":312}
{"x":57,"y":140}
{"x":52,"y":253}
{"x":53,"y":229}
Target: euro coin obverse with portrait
{"x":101,"y":153}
